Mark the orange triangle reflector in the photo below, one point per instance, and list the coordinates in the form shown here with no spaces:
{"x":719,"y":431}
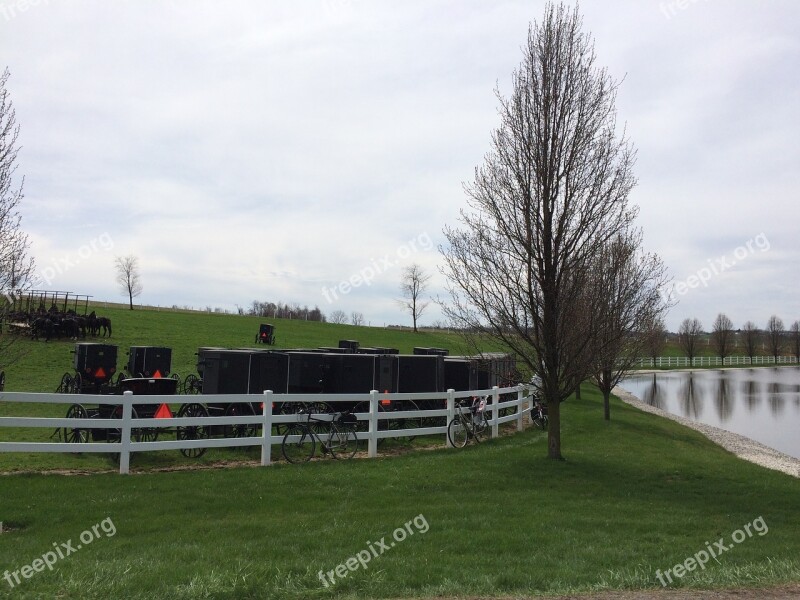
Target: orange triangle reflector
{"x":163,"y":412}
{"x":100,"y":373}
{"x":157,"y":374}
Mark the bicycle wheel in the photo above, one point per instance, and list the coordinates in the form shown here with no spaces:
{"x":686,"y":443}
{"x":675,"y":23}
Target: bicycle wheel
{"x":480,"y":426}
{"x":458,"y":432}
{"x":300,"y":450}
{"x":342,"y":441}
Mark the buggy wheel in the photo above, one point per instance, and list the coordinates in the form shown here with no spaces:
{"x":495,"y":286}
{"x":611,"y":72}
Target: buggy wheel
{"x":457,"y":432}
{"x":192,"y":384}
{"x":76,"y":385}
{"x":342,"y":440}
{"x":76,"y":435}
{"x":66,"y":384}
{"x":412,"y":423}
{"x":240,"y":409}
{"x":192,"y":432}
{"x":115,"y":435}
{"x":300,"y":450}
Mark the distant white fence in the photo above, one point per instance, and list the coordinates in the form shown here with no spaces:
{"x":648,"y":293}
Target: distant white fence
{"x":713,"y":361}
{"x":266,"y":419}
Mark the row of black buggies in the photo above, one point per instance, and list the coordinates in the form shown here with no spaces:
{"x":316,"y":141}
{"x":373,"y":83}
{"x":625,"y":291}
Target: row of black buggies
{"x":346,"y":369}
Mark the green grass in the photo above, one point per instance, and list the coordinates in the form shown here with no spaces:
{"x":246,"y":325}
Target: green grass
{"x":635,"y":495}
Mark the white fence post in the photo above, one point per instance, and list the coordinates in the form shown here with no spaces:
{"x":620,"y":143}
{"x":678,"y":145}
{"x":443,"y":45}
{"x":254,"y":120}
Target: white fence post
{"x":519,"y":408}
{"x":451,"y":412}
{"x":125,"y":436}
{"x":266,"y":423}
{"x":372,"y":440}
{"x":495,"y":412}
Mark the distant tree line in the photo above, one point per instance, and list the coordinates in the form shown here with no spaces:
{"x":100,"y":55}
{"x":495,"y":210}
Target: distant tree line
{"x":279,"y":310}
{"x":749,"y":340}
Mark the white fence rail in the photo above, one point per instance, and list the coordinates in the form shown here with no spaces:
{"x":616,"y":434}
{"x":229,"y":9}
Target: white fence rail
{"x":125,"y":446}
{"x":713,"y":361}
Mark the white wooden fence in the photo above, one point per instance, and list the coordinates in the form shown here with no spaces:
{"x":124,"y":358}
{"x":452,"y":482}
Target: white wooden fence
{"x":713,"y":361}
{"x":266,"y":419}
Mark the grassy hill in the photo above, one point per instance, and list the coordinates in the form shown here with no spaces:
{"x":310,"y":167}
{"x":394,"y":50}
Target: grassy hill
{"x":43,"y":363}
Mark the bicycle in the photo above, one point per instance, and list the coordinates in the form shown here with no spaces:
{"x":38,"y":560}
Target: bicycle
{"x":539,"y":415}
{"x":469,"y":422}
{"x":336,"y":436}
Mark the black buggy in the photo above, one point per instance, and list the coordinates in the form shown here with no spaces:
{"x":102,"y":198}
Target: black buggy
{"x":95,"y":367}
{"x":266,"y":334}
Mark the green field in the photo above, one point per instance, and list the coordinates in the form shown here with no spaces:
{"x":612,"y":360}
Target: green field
{"x":636,"y":495}
{"x":43,"y":363}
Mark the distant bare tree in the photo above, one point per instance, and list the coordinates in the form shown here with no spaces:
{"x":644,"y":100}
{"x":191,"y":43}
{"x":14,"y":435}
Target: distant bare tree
{"x":16,"y":267}
{"x":794,"y":330}
{"x":412,"y":286}
{"x":751,"y":335}
{"x":722,"y":336}
{"x":775,"y":335}
{"x":689,"y":337}
{"x":655,"y":339}
{"x":552,"y":189}
{"x":128,"y":278}
{"x":357,"y":318}
{"x":339,"y":317}
{"x":626,"y":300}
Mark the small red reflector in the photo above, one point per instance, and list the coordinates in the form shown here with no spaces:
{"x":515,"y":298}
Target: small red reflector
{"x":386,"y":402}
{"x":163,"y":412}
{"x":262,"y":406}
{"x":157,"y":374}
{"x":100,"y":373}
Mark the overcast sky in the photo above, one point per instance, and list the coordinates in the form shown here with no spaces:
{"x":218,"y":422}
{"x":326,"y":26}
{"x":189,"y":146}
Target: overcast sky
{"x":272,"y":150}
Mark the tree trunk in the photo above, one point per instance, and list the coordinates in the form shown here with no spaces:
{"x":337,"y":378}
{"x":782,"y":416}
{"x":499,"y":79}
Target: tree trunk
{"x":578,"y":392}
{"x":130,"y":300}
{"x":606,"y":404}
{"x":554,"y":430}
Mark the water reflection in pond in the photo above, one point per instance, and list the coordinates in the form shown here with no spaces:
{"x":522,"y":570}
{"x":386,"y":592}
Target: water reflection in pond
{"x":762,"y":404}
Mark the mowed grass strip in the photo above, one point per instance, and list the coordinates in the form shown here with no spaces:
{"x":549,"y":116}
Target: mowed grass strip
{"x":635,"y":495}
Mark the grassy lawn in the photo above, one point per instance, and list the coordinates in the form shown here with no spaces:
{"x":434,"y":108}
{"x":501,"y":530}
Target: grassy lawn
{"x":635,"y":495}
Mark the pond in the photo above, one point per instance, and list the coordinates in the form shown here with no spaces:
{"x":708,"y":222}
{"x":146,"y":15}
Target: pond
{"x":762,"y":404}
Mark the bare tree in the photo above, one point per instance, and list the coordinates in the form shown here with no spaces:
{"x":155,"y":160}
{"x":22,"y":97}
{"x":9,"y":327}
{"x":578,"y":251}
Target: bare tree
{"x":750,"y":338}
{"x":128,"y":278}
{"x":552,"y":190}
{"x":357,"y":318}
{"x":626,"y":300}
{"x":656,"y":339}
{"x":722,"y":336}
{"x":775,"y":335}
{"x":16,"y":267}
{"x":794,"y":331}
{"x":339,"y":317}
{"x":689,"y":337}
{"x":412,"y":286}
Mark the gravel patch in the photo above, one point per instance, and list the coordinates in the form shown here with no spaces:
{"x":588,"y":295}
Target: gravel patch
{"x":739,"y":445}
